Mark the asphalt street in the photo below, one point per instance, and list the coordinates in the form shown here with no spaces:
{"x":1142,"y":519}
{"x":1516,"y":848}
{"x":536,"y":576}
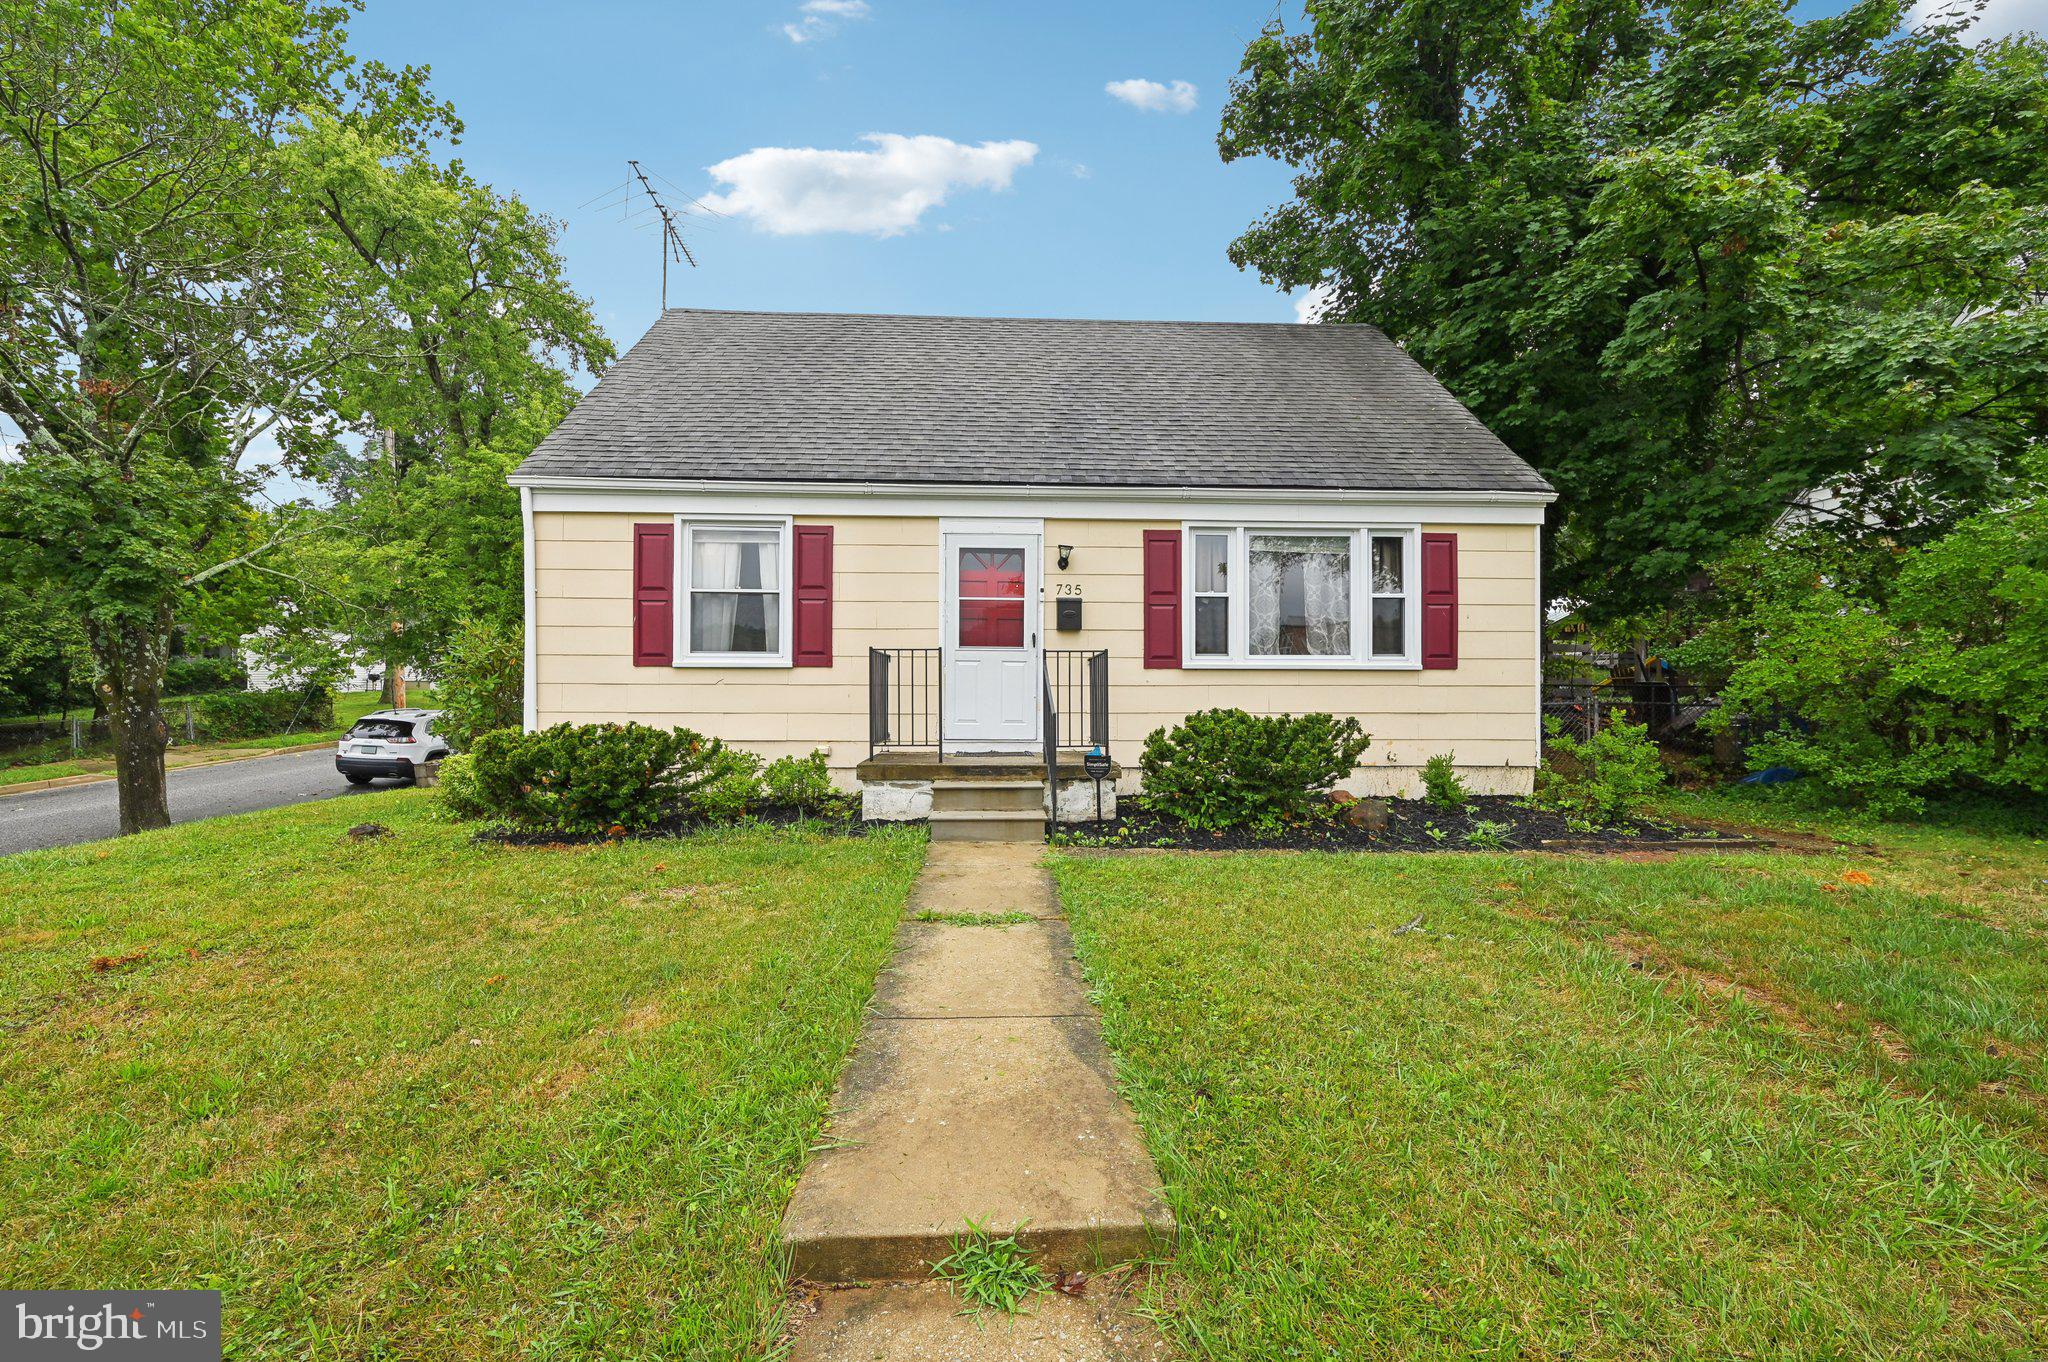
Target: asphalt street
{"x":86,"y":813}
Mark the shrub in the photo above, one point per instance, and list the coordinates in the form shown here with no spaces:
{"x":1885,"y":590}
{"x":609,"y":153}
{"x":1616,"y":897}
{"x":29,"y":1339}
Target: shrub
{"x":1604,"y":778}
{"x":203,"y":676}
{"x":259,"y":713}
{"x":733,"y":790}
{"x":592,"y":778}
{"x":1440,"y":783}
{"x":1224,"y":768}
{"x":1887,"y":674}
{"x":458,"y":790}
{"x":482,"y":680}
{"x":804,"y":783}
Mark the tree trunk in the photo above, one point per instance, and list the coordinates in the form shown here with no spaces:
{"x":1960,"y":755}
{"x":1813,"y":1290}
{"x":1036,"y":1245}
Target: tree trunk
{"x":393,"y":696}
{"x":130,"y":688}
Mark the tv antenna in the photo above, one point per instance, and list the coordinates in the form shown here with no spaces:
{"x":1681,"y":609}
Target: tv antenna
{"x":671,"y":237}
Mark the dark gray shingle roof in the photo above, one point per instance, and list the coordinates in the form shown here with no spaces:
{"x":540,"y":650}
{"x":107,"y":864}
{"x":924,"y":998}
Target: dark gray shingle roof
{"x":805,"y":396}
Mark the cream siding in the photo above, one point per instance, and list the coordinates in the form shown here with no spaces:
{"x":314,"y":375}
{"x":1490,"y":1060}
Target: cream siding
{"x":886,"y":593}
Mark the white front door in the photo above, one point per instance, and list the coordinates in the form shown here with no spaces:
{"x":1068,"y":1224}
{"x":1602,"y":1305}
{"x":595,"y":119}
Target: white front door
{"x":991,"y":621}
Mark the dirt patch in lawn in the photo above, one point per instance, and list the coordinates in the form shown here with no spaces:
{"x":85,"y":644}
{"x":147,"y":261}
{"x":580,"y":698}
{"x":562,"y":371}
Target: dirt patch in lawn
{"x":1649,"y":956}
{"x":1484,"y":823}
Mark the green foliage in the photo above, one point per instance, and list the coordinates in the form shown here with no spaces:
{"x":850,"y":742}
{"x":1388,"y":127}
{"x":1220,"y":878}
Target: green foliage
{"x":260,"y":713}
{"x":1485,"y":834}
{"x":990,"y":1273}
{"x":583,"y":779}
{"x":804,"y":783}
{"x":1690,"y":259}
{"x":458,"y":791}
{"x":481,"y":682}
{"x":733,"y":789}
{"x":1440,"y":783}
{"x":1609,"y":776}
{"x":203,"y":676}
{"x":45,"y":665}
{"x":1224,"y":768}
{"x":1888,"y":677}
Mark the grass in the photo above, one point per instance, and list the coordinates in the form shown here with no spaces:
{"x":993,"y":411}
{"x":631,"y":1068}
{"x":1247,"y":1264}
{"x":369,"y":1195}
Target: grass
{"x":990,"y":1273}
{"x":413,"y":1096}
{"x":21,"y":775}
{"x":1722,"y":1105}
{"x":348,"y":707}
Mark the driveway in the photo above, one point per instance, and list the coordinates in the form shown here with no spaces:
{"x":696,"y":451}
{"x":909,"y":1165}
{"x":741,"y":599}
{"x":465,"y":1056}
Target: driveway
{"x":86,"y":813}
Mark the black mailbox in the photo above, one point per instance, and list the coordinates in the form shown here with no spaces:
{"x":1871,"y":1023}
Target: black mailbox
{"x":1066,"y":613}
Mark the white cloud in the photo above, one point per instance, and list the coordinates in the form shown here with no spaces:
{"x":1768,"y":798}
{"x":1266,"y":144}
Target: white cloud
{"x":2000,"y":19}
{"x":794,"y":191}
{"x":1149,"y":96}
{"x":821,"y":18}
{"x":1310,"y":302}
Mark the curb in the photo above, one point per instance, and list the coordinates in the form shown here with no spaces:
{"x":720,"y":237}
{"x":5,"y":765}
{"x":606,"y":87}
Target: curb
{"x":103,"y":777}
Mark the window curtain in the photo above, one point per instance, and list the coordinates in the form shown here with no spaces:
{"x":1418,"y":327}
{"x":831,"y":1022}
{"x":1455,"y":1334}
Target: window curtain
{"x":1299,"y":596}
{"x":726,"y":570}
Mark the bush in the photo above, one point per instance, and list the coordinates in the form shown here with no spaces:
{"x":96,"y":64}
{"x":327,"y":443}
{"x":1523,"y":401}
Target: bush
{"x":1605,"y":778}
{"x":1440,"y":783}
{"x":257,"y":713}
{"x":733,"y":790}
{"x":592,"y":778}
{"x":1887,"y":674}
{"x":482,"y":680}
{"x":203,"y":676}
{"x":458,"y":790}
{"x":1224,"y":768}
{"x":804,"y":783}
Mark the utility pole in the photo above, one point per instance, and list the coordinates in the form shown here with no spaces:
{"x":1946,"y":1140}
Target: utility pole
{"x":671,"y":237}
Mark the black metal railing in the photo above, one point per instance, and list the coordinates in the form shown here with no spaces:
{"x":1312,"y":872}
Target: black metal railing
{"x":906,"y":699}
{"x":1050,"y":732}
{"x":1078,"y":681}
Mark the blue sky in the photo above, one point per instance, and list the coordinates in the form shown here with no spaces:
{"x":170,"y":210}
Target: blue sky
{"x":877,"y":155}
{"x":1114,"y":207}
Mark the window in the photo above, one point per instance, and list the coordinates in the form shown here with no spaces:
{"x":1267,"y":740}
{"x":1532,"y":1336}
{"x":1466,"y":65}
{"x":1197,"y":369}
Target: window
{"x":1209,"y":581}
{"x":991,"y":598}
{"x":1333,"y":596}
{"x":731,"y":597}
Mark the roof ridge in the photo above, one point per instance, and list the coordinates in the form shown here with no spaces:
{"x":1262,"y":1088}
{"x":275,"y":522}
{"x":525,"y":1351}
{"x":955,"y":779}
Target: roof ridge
{"x":985,"y":317}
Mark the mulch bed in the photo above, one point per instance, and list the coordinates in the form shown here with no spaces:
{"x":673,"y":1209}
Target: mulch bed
{"x":1414,"y":825}
{"x":849,"y":825}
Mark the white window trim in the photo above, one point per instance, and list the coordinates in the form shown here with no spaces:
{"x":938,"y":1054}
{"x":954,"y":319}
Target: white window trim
{"x":784,"y":526}
{"x":1238,"y":573}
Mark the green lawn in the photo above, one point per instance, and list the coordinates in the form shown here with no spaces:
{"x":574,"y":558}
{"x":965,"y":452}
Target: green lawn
{"x":412,"y":1097}
{"x":1721,"y":1106}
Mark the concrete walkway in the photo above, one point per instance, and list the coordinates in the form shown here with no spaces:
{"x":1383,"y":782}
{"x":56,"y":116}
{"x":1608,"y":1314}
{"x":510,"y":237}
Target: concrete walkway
{"x":980,"y":1090}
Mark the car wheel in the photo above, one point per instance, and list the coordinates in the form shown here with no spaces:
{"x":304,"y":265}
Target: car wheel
{"x":358,"y":780}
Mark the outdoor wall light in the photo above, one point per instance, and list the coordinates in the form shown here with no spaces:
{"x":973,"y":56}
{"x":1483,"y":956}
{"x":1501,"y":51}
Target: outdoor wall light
{"x":1066,"y":556}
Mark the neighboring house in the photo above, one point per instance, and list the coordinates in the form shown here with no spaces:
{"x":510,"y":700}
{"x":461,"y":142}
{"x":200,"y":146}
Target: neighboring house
{"x":906,"y":538}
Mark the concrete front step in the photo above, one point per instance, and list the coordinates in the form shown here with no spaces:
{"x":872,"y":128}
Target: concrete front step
{"x":988,"y":796}
{"x":980,"y":1090}
{"x":987,"y":825}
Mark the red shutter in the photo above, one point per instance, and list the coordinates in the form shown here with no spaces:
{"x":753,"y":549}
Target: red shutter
{"x":813,"y":595}
{"x":1162,"y":598}
{"x":654,"y":599}
{"x":1439,"y":602}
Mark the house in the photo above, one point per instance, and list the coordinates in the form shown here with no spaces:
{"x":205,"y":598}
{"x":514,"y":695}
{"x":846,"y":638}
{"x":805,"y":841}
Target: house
{"x":935,"y":546}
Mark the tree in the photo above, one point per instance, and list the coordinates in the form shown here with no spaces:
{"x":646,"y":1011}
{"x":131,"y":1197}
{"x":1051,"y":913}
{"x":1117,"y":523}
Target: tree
{"x":1692,"y":260}
{"x":163,"y":306}
{"x":478,"y":333}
